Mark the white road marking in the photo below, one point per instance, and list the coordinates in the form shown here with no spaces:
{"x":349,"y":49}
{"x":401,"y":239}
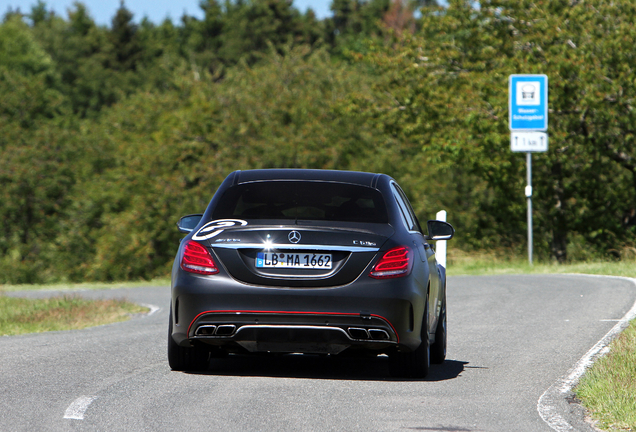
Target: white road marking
{"x":152,"y":308}
{"x":77,"y":409}
{"x":559,"y":390}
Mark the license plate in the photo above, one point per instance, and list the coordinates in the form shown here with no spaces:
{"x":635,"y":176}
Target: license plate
{"x":293,"y":260}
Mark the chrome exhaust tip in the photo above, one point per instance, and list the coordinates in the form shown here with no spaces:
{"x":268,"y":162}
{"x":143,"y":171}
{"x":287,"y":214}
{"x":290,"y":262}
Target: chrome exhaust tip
{"x":205,"y":330}
{"x":358,"y":333}
{"x":225,"y":330}
{"x":378,"y":334}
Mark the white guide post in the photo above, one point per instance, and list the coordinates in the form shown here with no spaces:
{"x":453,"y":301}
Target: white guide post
{"x":440,"y":247}
{"x":529,"y":198}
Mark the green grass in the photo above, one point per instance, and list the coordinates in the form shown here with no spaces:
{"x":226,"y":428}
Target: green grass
{"x":68,"y":312}
{"x":462,"y":263}
{"x":86,"y":285}
{"x":608,"y":389}
{"x":20,"y":315}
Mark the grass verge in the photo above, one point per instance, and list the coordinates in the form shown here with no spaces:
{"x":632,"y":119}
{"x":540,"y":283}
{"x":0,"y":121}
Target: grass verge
{"x":20,"y":315}
{"x":479,"y":263}
{"x":86,"y":285}
{"x":608,"y":389}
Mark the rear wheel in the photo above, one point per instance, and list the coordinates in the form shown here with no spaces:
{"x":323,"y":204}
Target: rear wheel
{"x":414,"y":364}
{"x":184,"y":358}
{"x":438,"y":349}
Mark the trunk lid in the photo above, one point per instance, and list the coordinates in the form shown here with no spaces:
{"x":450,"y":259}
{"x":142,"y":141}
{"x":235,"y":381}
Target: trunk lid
{"x":293,"y":255}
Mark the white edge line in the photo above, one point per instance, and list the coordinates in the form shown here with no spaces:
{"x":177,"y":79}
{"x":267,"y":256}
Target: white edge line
{"x":546,"y":406}
{"x":77,"y":409}
{"x":152,"y":308}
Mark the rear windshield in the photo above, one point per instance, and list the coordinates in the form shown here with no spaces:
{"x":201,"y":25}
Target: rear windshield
{"x":302,"y":200}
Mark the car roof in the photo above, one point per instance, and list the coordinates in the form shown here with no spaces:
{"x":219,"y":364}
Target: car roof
{"x":353,"y":177}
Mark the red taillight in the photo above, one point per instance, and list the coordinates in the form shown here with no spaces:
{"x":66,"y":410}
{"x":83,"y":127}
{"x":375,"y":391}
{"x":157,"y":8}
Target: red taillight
{"x":397,"y":262}
{"x":197,"y":259}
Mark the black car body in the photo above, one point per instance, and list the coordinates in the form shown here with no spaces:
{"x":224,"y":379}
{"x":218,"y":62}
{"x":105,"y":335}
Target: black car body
{"x":308,"y":261}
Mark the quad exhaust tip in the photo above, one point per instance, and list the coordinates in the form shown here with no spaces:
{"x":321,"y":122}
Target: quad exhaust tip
{"x":205,"y":330}
{"x":373,"y":334}
{"x":225,"y":330}
{"x":357,"y":333}
{"x":212,"y":330}
{"x":379,"y":334}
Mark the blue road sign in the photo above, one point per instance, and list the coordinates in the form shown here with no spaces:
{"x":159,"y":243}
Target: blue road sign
{"x":528,"y":102}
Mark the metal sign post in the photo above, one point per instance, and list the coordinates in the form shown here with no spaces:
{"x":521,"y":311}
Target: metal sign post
{"x":528,"y":111}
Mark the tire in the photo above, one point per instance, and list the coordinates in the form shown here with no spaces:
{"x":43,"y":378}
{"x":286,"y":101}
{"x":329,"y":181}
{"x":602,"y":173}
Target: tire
{"x":414,"y":364}
{"x":438,"y":349}
{"x":183,"y":358}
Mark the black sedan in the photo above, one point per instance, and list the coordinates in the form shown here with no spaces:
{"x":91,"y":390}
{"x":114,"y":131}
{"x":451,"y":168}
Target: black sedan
{"x":308,"y":261}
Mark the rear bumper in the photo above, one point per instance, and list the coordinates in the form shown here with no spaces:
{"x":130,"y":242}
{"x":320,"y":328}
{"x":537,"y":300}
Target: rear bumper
{"x":373,"y":315}
{"x":308,"y":332}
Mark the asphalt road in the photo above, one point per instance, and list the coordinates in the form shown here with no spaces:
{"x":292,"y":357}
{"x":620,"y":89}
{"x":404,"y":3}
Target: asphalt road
{"x":511,"y":339}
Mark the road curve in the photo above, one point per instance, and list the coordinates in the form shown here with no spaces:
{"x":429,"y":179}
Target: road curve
{"x":511,"y":339}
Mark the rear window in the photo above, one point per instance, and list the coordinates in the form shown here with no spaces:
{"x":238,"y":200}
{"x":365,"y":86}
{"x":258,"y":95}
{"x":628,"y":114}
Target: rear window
{"x":302,"y":200}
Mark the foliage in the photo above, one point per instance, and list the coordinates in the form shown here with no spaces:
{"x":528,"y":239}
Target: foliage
{"x":110,"y":133}
{"x":449,"y":89}
{"x":171,"y":150}
{"x":29,"y":82}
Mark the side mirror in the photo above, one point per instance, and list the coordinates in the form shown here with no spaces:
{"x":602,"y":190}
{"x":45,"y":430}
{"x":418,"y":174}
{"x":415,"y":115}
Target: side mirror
{"x":187,"y":223}
{"x":439,"y":230}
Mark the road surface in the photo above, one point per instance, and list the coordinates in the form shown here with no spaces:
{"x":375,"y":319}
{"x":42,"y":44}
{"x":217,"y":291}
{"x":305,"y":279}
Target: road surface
{"x":510,"y":339}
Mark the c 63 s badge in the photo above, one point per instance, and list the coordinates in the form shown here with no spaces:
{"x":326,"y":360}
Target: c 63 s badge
{"x":363,"y":243}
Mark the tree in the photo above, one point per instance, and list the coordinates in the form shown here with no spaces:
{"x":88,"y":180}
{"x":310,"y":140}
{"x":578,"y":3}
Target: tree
{"x":28,"y":79}
{"x":39,"y":13}
{"x":400,"y":17}
{"x":353,"y":21}
{"x":252,"y":25}
{"x":126,"y":49}
{"x":449,"y":89}
{"x":163,"y":153}
{"x":97,"y":65}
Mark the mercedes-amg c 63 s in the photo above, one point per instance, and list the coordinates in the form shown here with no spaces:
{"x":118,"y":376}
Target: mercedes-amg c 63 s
{"x":308,"y":261}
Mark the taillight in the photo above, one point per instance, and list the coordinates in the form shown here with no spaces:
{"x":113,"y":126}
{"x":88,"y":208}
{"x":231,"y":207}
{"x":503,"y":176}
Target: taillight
{"x":197,"y":259}
{"x":397,"y":262}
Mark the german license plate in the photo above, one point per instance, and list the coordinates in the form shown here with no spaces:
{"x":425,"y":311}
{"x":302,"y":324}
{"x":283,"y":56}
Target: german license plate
{"x":293,"y":260}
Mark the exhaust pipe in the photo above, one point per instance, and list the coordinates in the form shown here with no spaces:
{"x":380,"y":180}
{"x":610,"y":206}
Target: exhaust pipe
{"x":378,"y":334}
{"x":205,"y":330}
{"x":213,"y":330}
{"x":358,"y":333}
{"x":225,"y":330}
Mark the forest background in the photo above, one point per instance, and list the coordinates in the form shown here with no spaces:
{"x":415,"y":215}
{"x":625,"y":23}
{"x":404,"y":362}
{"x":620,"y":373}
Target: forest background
{"x":108,"y":134}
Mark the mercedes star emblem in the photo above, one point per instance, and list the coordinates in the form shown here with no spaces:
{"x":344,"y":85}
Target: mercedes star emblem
{"x":294,"y":236}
